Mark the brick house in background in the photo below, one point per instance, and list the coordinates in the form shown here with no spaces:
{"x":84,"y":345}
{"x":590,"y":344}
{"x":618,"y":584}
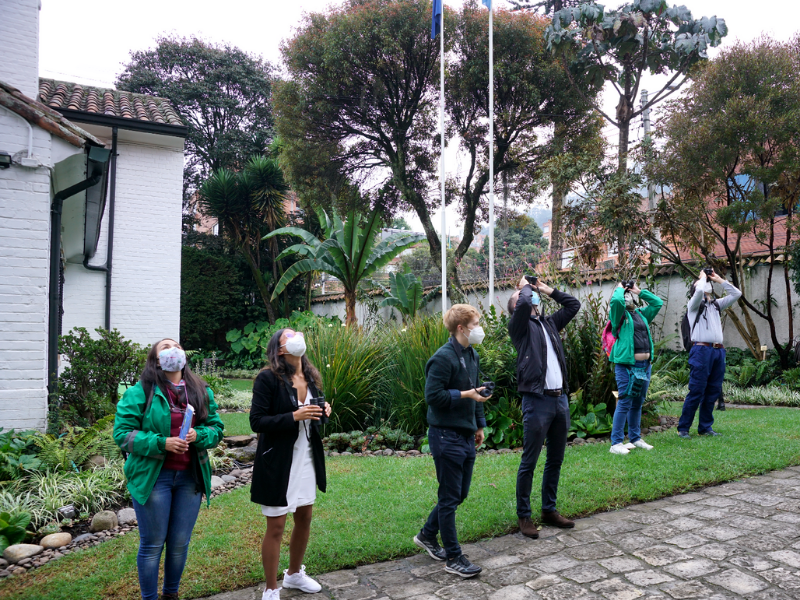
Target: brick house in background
{"x":109,"y":165}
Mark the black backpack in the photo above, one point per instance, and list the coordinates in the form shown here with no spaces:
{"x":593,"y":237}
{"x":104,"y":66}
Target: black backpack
{"x":686,"y":330}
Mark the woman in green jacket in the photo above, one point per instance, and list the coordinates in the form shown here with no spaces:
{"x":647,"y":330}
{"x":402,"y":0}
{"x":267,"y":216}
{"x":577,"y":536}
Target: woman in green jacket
{"x":631,"y":355}
{"x":166,"y":475}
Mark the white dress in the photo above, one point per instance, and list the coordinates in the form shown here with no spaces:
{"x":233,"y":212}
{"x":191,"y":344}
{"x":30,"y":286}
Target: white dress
{"x":302,"y":489}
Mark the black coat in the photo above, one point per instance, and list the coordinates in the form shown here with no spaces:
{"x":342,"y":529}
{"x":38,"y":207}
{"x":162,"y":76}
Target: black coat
{"x":271,"y":417}
{"x":529,"y":341}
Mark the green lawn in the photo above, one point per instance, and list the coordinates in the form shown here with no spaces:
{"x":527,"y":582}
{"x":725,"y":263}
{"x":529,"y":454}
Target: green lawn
{"x":245,"y":385}
{"x":236,"y":423}
{"x":375,"y":505}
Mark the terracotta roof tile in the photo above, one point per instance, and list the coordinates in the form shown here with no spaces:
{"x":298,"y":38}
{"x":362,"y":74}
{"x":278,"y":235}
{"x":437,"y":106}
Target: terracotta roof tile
{"x":102,"y":101}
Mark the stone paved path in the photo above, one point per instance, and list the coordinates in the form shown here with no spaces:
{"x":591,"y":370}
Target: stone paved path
{"x":739,"y":540}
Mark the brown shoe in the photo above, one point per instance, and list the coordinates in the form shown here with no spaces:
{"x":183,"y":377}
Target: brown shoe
{"x":552,"y":517}
{"x":528,"y":528}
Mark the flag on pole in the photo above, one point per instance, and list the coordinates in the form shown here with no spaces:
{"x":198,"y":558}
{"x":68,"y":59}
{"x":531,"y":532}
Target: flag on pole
{"x":487,"y":4}
{"x":436,"y":22}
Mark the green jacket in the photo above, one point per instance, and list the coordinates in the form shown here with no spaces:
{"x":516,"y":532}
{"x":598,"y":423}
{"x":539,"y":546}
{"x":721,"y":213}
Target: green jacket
{"x":622,"y":352}
{"x":144,"y":438}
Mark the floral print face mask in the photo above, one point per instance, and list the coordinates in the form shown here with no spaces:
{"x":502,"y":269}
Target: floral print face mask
{"x":172,"y":359}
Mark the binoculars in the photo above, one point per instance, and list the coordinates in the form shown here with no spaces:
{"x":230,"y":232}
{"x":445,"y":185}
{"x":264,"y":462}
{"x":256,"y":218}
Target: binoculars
{"x":708,"y":271}
{"x":322,"y":404}
{"x":533,"y":280}
{"x":489,"y":389}
{"x":628,"y":283}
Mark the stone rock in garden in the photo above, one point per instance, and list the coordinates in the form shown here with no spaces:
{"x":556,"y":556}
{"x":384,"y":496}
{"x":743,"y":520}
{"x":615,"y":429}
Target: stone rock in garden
{"x":103,"y":521}
{"x":55,"y":540}
{"x":578,"y":441}
{"x":388,"y":452}
{"x":346,"y":454}
{"x":335,"y":454}
{"x":86,"y":537}
{"x":126,"y":516}
{"x":97,"y":461}
{"x":228,"y":478}
{"x":216,"y":482}
{"x":68,"y":512}
{"x":237,"y":440}
{"x":645,"y":430}
{"x":18,"y":552}
{"x":3,"y":563}
{"x":245,"y":454}
{"x":414,"y":453}
{"x":239,"y":472}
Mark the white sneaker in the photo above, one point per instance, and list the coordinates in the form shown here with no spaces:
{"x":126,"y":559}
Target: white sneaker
{"x":630,"y":446}
{"x":619,"y":449}
{"x":271,"y":594}
{"x":300,"y":581}
{"x":640,"y":443}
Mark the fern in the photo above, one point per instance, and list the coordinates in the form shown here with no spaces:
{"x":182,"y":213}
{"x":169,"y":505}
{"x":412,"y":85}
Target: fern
{"x":71,"y":450}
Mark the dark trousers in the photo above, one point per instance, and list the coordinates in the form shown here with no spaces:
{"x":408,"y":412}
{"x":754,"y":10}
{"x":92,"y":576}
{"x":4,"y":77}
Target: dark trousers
{"x":454,"y":457}
{"x":706,"y":372}
{"x":544,"y":418}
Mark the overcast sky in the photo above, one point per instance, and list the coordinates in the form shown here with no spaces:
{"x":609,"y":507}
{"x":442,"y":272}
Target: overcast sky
{"x":83,"y":43}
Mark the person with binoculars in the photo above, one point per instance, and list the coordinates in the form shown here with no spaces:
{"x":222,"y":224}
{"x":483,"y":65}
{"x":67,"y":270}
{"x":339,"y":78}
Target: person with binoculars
{"x":456,"y":420}
{"x":286,"y":412}
{"x":542,"y":381}
{"x":631,"y":354}
{"x":707,"y":354}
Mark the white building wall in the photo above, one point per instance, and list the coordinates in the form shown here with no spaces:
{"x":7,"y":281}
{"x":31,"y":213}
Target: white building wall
{"x":24,"y":268}
{"x":146,"y":279}
{"x":19,"y":32}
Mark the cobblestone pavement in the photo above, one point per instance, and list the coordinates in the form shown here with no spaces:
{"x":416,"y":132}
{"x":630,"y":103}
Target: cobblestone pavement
{"x":739,"y":540}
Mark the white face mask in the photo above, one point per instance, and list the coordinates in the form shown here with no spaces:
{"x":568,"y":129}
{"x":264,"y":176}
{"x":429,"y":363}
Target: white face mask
{"x":172,"y":359}
{"x":296,"y":345}
{"x":708,"y":288}
{"x":476,"y":335}
{"x":630,"y":302}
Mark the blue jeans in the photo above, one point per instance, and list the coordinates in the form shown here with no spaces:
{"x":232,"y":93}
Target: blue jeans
{"x":543,"y":418}
{"x":628,"y":409}
{"x":706,"y":372}
{"x":168,"y":517}
{"x":454,"y":457}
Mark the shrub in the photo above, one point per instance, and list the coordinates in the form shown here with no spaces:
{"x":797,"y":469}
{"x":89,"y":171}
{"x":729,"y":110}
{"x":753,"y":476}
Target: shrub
{"x":353,"y":365}
{"x":503,"y":423}
{"x":372,"y":439}
{"x":12,"y":528}
{"x":88,"y":387}
{"x":71,"y":450}
{"x":17,"y":453}
{"x":410,"y":348}
{"x":234,"y":400}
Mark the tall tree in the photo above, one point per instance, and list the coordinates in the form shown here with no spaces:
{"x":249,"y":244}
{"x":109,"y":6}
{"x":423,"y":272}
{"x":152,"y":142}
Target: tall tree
{"x":221,"y":93}
{"x":249,"y":204}
{"x":620,"y":45}
{"x":352,"y":251}
{"x":531,"y":92}
{"x":731,"y":159}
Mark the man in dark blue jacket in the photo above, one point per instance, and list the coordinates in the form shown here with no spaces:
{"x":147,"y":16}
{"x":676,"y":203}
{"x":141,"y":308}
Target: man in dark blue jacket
{"x":456,"y":422}
{"x":542,"y":381}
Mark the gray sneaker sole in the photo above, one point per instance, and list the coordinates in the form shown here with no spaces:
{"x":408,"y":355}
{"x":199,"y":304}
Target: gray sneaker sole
{"x":460,"y":574}
{"x":418,"y":542}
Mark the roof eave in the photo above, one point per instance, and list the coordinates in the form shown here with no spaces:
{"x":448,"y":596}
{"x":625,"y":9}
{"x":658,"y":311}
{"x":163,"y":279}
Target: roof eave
{"x":89,"y":118}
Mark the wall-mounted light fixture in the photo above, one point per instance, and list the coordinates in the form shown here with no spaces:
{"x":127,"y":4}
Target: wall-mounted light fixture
{"x":5,"y":160}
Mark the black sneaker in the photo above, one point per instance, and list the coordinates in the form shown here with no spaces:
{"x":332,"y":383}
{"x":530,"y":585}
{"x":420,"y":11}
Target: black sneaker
{"x":720,"y":404}
{"x":462,"y":567}
{"x":434,"y":550}
{"x":684,"y":435}
{"x":711,"y":433}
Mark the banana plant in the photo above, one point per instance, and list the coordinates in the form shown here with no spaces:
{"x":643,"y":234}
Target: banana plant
{"x":406,"y":294}
{"x":350,"y":252}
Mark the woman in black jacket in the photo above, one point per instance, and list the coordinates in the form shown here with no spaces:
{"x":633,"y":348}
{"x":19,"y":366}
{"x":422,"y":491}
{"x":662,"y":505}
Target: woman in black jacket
{"x":290,"y":461}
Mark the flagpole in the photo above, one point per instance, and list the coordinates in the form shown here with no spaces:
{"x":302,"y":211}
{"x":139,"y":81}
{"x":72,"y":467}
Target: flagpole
{"x":491,"y":154}
{"x":441,"y":167}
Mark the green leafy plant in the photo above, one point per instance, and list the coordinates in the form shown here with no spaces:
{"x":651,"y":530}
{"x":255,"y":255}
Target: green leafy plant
{"x":71,"y":450}
{"x":351,"y":252}
{"x":372,"y":439}
{"x":17,"y":453}
{"x":88,"y":389}
{"x":589,"y":420}
{"x":406,"y":294}
{"x":13,"y":528}
{"x":503,"y":424}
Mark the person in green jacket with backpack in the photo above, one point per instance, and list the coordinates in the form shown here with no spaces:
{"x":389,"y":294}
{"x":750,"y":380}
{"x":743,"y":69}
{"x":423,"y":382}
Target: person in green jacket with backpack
{"x":631,"y":354}
{"x":167,"y":476}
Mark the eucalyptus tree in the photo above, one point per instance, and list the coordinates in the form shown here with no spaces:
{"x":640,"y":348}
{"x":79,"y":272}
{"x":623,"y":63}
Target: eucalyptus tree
{"x":351,"y":252}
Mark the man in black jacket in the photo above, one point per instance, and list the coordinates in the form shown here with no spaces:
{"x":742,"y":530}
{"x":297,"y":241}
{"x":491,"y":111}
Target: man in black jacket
{"x":542,"y":381}
{"x":456,"y":422}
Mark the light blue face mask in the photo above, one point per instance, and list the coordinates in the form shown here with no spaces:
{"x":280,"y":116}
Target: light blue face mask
{"x":535,"y":299}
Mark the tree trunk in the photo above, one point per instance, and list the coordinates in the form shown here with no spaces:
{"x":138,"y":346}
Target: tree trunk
{"x":262,"y":287}
{"x":350,"y":308}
